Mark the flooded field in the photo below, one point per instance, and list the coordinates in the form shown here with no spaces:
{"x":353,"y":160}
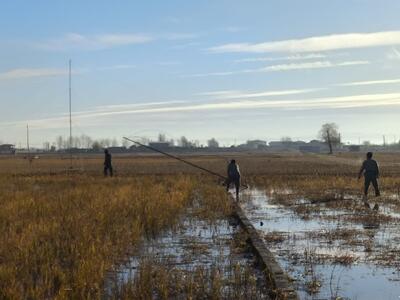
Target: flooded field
{"x":197,"y":259}
{"x":160,"y":229}
{"x":346,"y":253}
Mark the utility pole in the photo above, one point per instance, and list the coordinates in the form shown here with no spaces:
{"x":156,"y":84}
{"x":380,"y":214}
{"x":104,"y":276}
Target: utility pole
{"x":27,"y":139}
{"x":70,"y":113}
{"x":30,"y":159}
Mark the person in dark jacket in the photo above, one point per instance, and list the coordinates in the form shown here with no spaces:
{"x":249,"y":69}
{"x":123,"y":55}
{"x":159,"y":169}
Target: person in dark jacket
{"x":233,"y":177}
{"x":107,"y":163}
{"x":370,"y":170}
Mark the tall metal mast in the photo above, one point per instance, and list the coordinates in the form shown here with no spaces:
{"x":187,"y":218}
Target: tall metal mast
{"x":70,"y":114}
{"x":27,"y":139}
{"x":29,"y":157}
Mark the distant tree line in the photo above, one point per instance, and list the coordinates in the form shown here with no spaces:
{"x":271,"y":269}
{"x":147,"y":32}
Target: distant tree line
{"x":86,"y":142}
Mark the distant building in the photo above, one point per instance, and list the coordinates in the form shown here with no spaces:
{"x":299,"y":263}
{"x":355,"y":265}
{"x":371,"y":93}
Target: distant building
{"x":117,"y":149}
{"x":286,"y":145}
{"x":256,"y":144}
{"x":310,"y":148}
{"x":160,"y":145}
{"x":7,"y":149}
{"x":354,"y":148}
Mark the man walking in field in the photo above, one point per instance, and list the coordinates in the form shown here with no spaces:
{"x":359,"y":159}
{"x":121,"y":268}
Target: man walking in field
{"x":370,"y":170}
{"x":107,"y":163}
{"x":233,"y":177}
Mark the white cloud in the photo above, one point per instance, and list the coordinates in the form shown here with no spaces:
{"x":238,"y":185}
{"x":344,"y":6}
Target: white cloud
{"x":29,"y":73}
{"x":74,"y":41}
{"x":232,"y":94}
{"x":370,"y":82}
{"x":290,"y":57}
{"x":317,"y":43}
{"x":313,"y":65}
{"x":77,"y":41}
{"x":338,"y":102}
{"x":287,"y":67}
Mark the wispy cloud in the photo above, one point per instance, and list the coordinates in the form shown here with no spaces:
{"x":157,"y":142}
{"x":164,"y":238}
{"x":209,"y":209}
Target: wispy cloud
{"x":314,"y":65}
{"x":394,"y":54}
{"x":370,"y":82}
{"x":78,"y":41}
{"x":335,"y":102}
{"x":287,"y":67}
{"x":290,"y":57}
{"x":232,"y":94}
{"x":33,"y":72}
{"x":73,"y":41}
{"x":132,"y":105}
{"x":316,"y":44}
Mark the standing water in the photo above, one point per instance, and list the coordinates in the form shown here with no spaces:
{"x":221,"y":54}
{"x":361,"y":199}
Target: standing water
{"x":330,"y":254}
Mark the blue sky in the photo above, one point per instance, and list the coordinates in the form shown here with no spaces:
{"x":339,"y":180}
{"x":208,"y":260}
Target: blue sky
{"x":232,"y":70}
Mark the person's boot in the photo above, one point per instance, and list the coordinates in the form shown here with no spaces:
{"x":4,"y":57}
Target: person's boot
{"x":366,"y":204}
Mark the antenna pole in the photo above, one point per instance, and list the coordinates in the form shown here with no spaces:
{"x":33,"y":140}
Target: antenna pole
{"x":27,"y":139}
{"x":70,"y":112}
{"x":30,"y":159}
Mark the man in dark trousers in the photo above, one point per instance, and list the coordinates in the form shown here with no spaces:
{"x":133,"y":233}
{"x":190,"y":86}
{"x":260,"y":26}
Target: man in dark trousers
{"x":370,"y":170}
{"x":107,"y":163}
{"x":233,"y":177}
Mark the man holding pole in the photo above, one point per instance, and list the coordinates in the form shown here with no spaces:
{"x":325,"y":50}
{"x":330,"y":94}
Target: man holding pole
{"x":233,"y":177}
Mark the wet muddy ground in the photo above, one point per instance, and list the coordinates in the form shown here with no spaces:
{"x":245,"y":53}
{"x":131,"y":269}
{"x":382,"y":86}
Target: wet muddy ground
{"x":331,"y":251}
{"x":203,"y":252}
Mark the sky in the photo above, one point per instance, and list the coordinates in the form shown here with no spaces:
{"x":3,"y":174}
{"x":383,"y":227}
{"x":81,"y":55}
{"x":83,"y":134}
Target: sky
{"x":233,"y":70}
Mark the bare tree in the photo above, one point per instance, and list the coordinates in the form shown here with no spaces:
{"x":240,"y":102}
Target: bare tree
{"x":60,"y":142}
{"x":212,"y":143}
{"x":329,"y":134}
{"x":184,"y":142}
{"x":96,"y":145}
{"x":76,"y":142}
{"x":162,"y":138}
{"x":86,"y":141}
{"x":46,"y":146}
{"x":114,"y":142}
{"x":125,"y":143}
{"x":286,"y":139}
